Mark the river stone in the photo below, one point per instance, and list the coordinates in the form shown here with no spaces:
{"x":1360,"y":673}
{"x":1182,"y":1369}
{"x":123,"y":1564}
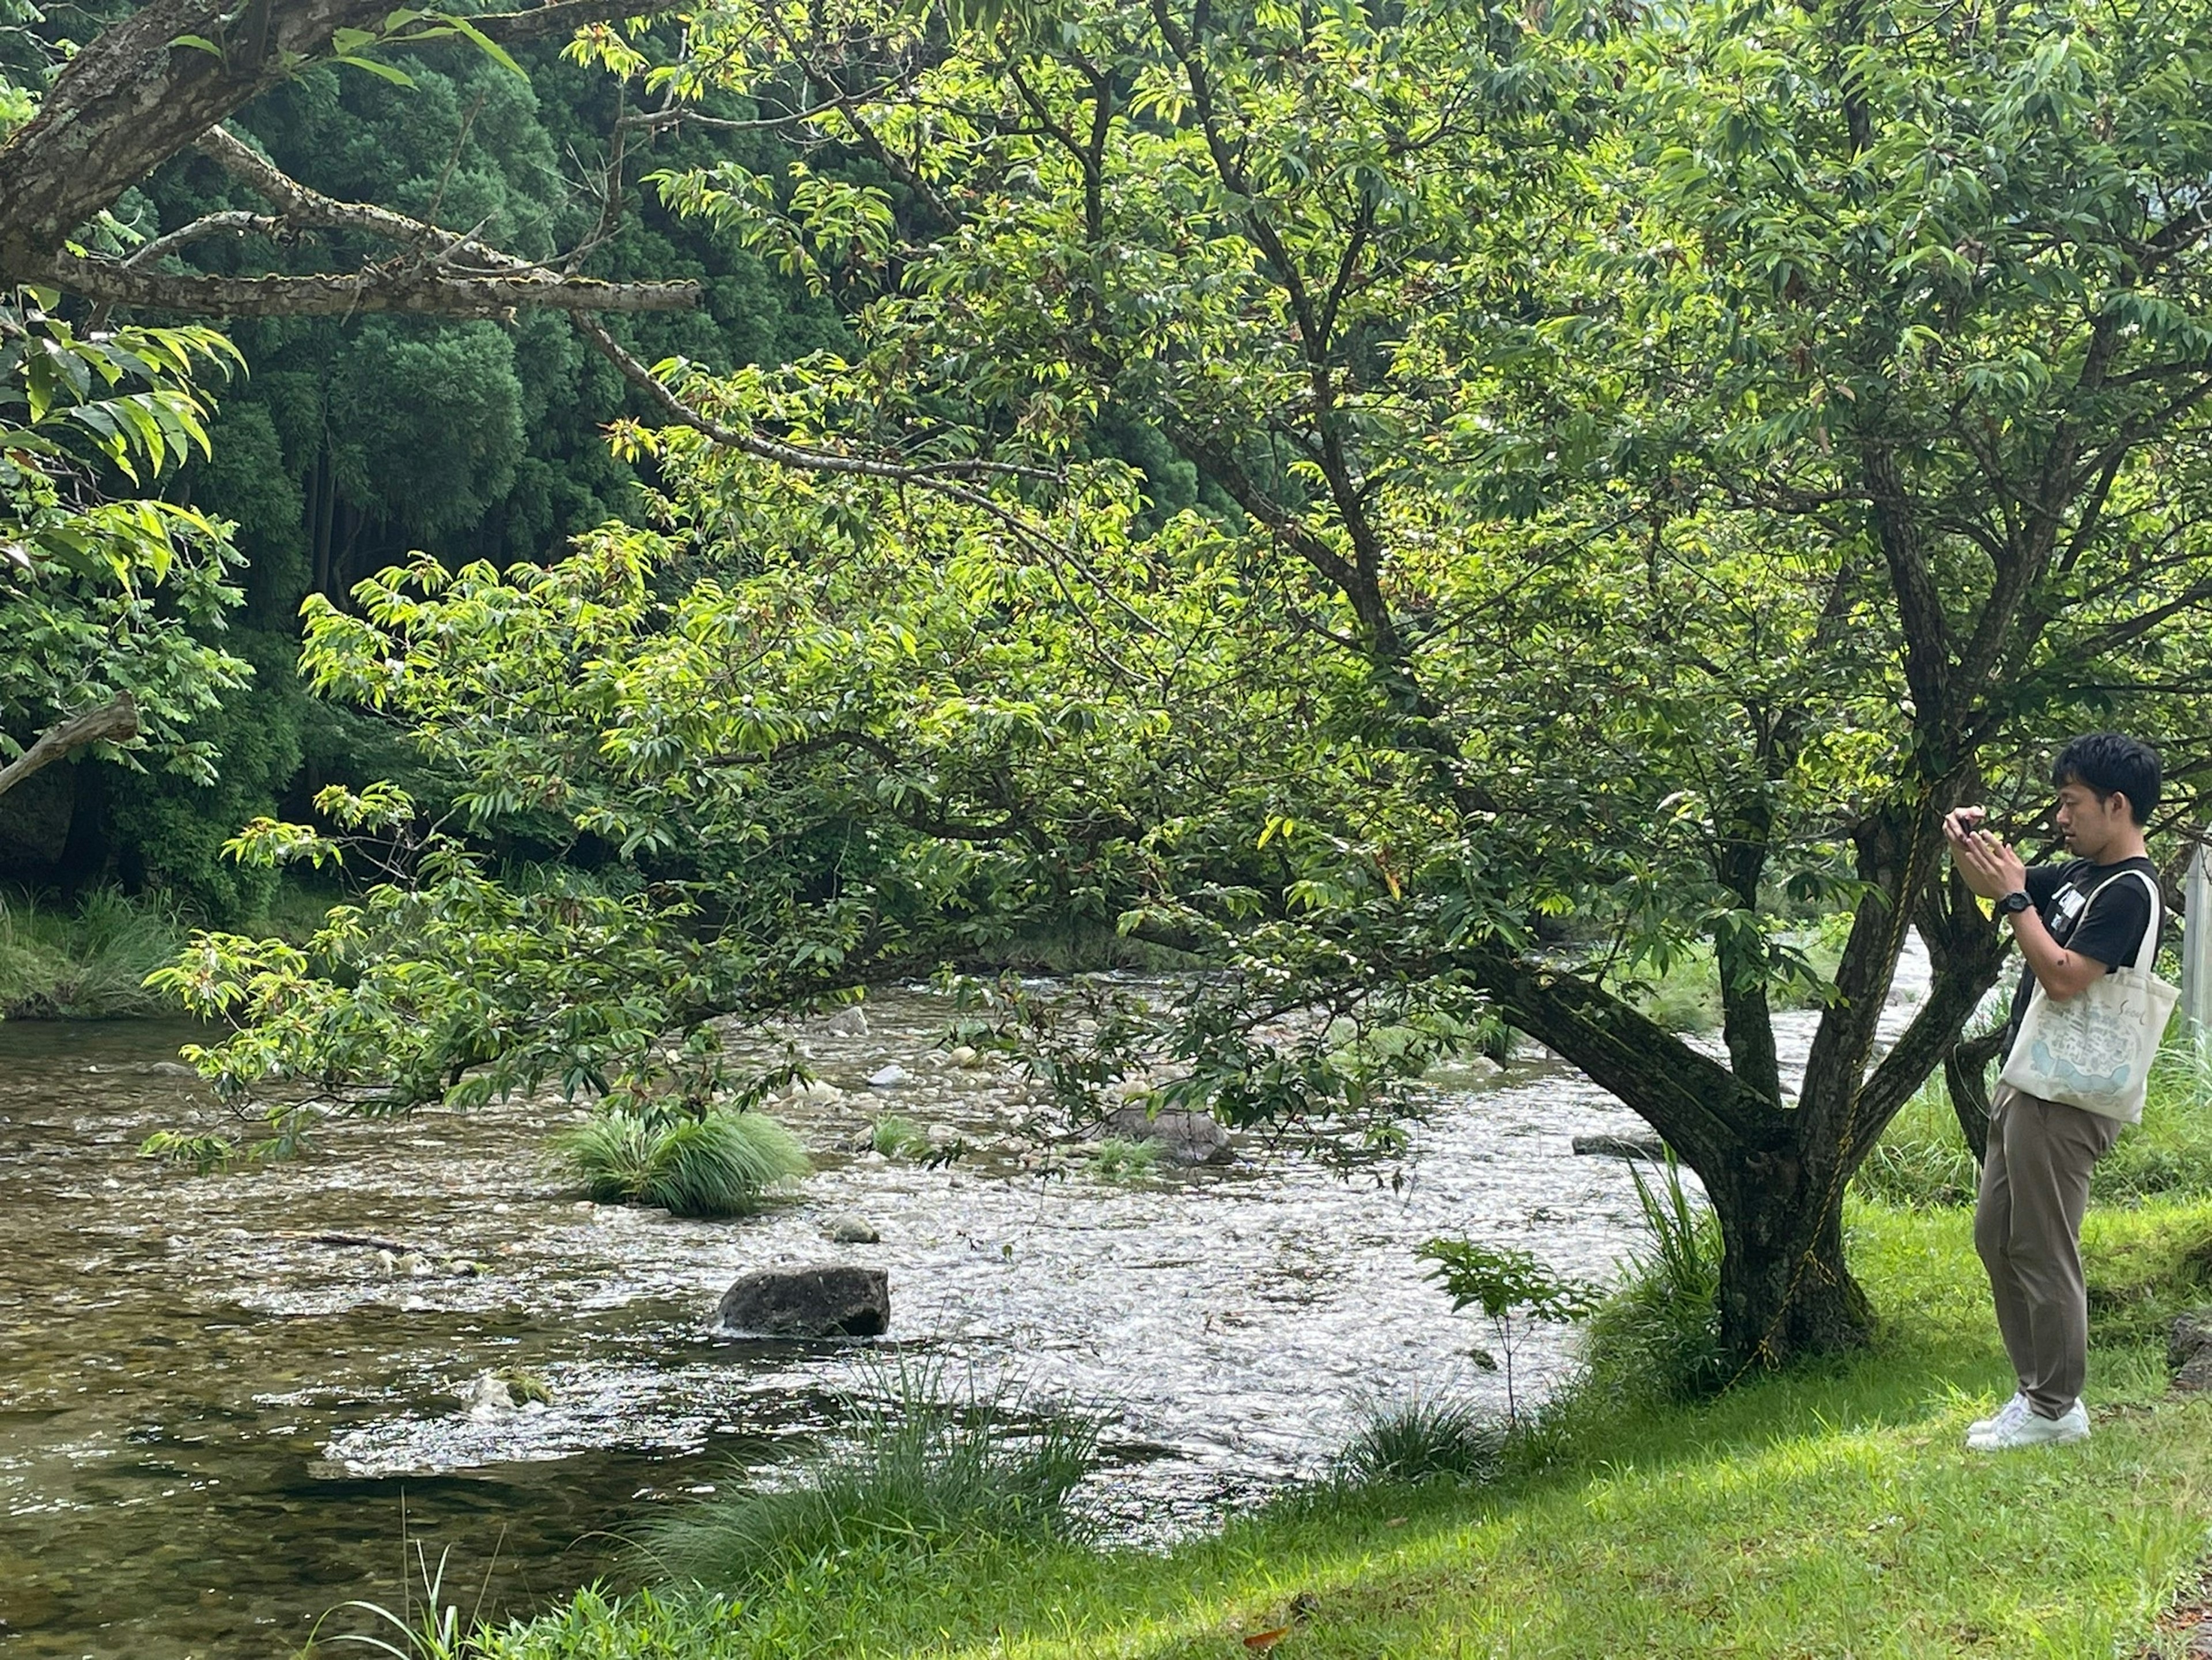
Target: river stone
{"x":834,"y":1301}
{"x":853,"y":1231}
{"x":1188,"y":1138}
{"x":848,"y":1023}
{"x":889,"y":1078}
{"x":2190,"y":1353}
{"x":1621,"y":1146}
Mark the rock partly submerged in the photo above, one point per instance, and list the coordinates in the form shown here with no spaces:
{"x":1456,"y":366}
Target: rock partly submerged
{"x":1187,"y":1137}
{"x":836,"y":1300}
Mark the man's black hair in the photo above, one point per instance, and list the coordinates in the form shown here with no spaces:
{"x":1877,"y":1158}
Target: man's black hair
{"x":2111,"y":763}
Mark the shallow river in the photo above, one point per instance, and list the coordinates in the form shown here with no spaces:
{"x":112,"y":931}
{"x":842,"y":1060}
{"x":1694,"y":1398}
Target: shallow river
{"x":211,"y":1425}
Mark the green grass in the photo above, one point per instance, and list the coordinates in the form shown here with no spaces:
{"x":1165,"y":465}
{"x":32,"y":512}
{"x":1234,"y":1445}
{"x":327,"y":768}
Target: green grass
{"x":895,"y":1137}
{"x":1829,"y":1511}
{"x":917,"y":1469}
{"x":1117,"y":1159}
{"x":1427,"y":1439}
{"x":722,"y":1165}
{"x":1922,"y":1159}
{"x":86,"y":962}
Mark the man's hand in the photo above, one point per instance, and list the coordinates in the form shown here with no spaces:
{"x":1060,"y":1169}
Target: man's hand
{"x":1991,"y":869}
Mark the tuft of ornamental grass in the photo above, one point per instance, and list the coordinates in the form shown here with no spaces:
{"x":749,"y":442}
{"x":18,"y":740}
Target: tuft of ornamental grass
{"x":1655,"y":1339}
{"x":721,"y":1164}
{"x":917,"y":1469}
{"x":898,"y":1138}
{"x":1118,"y":1158}
{"x":1426,"y":1439}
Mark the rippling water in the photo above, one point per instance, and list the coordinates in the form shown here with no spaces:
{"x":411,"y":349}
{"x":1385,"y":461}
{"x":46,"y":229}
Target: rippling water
{"x":210,"y":1423}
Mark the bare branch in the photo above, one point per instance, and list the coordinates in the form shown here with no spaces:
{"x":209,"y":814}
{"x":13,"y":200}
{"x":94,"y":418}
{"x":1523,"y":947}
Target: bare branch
{"x":409,"y":289}
{"x":240,"y":221}
{"x":113,"y":723}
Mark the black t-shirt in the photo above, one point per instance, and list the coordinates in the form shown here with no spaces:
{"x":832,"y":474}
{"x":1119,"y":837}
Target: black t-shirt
{"x":2110,"y":932}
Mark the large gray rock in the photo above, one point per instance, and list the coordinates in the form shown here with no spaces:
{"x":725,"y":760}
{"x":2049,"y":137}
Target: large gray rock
{"x":1621,"y":1146}
{"x":2191,"y":1350}
{"x":1188,"y":1138}
{"x":835,"y":1301}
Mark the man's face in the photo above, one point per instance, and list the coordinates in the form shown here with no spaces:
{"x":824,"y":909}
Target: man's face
{"x":2089,"y":821}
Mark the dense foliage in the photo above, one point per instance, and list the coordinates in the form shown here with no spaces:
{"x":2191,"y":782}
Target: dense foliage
{"x":110,"y":595}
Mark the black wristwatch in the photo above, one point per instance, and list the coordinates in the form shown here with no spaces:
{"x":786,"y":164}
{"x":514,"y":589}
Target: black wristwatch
{"x":2014,"y":903}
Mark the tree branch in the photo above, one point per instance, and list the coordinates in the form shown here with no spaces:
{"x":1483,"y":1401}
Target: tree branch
{"x":113,"y":723}
{"x":391,"y":287}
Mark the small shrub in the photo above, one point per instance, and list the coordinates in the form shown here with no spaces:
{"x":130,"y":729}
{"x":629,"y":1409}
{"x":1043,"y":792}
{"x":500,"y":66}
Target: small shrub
{"x":722,"y":1164}
{"x":916,"y":1470}
{"x":1509,"y":1287}
{"x":1432,"y":1439}
{"x":1657,"y":1337}
{"x":898,"y":1138}
{"x":1117,"y":1159}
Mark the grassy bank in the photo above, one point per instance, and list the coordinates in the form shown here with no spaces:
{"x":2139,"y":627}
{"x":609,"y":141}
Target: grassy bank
{"x":88,"y":959}
{"x":1830,"y":1511}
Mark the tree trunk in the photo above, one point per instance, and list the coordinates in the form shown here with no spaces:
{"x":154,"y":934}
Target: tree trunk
{"x":1785,"y":1292}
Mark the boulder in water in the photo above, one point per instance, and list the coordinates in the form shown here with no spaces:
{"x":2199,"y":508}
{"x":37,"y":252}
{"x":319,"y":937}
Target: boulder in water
{"x":851,"y":1021}
{"x":832,"y":1301}
{"x":851,"y":1231}
{"x":1622,"y":1146}
{"x":889,"y":1078}
{"x":1187,"y":1137}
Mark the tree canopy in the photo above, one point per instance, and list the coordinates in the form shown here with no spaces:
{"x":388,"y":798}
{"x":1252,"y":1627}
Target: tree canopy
{"x":1644,"y":468}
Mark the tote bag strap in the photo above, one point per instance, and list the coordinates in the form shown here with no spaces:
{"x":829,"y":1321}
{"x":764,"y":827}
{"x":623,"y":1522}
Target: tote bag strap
{"x":2146,"y":953}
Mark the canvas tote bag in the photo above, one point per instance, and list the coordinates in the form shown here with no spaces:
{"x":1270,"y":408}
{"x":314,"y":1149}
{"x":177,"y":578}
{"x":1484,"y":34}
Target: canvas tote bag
{"x":2093,"y":1050}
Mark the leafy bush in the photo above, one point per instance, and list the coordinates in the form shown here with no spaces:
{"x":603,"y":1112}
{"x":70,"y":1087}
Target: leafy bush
{"x":916,"y":1470}
{"x":719,"y":1164}
{"x":1657,"y":1337}
{"x":1428,"y":1438}
{"x":1508,"y":1286}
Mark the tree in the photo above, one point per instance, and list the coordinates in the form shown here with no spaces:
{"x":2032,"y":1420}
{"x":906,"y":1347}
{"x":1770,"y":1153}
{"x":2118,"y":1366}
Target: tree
{"x":1674,"y":460}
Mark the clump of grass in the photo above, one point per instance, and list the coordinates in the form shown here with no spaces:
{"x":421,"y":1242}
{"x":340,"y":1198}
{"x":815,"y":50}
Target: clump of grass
{"x":1117,"y":1159}
{"x":1657,"y":1337}
{"x":86,"y":964}
{"x":1427,"y":1439}
{"x":1922,"y":1160}
{"x":722,"y":1163}
{"x":918,"y":1469}
{"x":898,"y":1138}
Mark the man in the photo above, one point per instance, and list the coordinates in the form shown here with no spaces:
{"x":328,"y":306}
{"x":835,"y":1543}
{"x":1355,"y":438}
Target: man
{"x":2035,"y":1176}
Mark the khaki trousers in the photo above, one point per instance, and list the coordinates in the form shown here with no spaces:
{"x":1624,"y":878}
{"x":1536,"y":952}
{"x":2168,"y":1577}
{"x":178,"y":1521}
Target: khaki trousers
{"x":2027,"y":1228}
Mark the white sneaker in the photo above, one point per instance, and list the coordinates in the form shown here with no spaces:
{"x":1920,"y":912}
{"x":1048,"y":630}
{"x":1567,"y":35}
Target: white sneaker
{"x":2011,"y":1409}
{"x":2030,"y":1430}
